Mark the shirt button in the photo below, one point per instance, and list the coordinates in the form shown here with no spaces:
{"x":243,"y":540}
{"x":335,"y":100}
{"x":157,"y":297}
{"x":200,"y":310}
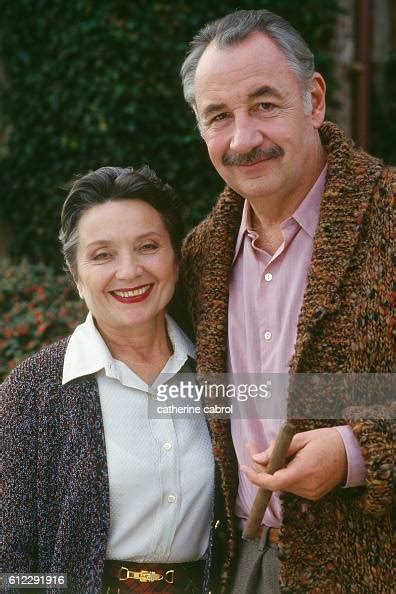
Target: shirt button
{"x":268,"y":336}
{"x":268,"y":277}
{"x":167,"y":445}
{"x":171,"y":498}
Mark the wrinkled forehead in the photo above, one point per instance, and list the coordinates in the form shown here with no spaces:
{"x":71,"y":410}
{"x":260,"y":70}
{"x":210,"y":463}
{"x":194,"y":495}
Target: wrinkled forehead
{"x":256,"y":50}
{"x":242,"y":68}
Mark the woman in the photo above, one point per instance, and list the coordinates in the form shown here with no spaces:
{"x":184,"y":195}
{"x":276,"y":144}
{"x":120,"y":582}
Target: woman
{"x":95,"y":489}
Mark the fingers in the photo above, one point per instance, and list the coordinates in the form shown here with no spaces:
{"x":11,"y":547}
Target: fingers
{"x":253,"y":450}
{"x":318,"y":464}
{"x":262,"y":457}
{"x":281,"y":480}
{"x":298,"y":442}
{"x":260,"y":479}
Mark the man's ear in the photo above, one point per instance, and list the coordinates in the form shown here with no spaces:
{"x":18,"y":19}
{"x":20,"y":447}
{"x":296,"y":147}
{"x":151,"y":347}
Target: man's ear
{"x":318,"y":99}
{"x":194,"y":108}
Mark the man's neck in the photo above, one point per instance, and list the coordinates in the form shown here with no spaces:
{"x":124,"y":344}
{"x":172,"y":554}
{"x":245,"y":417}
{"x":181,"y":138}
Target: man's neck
{"x":269,"y":212}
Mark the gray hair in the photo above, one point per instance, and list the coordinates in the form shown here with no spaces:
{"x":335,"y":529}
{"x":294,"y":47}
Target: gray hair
{"x":116,"y":183}
{"x":234,"y":28}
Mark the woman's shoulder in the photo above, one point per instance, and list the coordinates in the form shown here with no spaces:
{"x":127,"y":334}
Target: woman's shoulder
{"x":43,"y":366}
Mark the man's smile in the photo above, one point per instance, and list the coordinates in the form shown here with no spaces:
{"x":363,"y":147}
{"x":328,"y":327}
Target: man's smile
{"x":258,"y":162}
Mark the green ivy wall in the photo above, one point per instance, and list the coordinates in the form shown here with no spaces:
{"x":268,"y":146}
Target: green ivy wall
{"x":91,"y":83}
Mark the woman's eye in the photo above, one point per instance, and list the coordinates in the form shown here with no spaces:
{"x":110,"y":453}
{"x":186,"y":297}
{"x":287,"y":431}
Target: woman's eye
{"x":149,"y":247}
{"x":101,"y":256}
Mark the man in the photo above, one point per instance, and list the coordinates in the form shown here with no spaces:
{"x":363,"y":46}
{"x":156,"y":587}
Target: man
{"x":291,"y":273}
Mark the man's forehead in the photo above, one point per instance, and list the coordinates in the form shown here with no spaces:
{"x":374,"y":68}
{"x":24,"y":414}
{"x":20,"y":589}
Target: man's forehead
{"x":257,"y":49}
{"x":256,"y":62}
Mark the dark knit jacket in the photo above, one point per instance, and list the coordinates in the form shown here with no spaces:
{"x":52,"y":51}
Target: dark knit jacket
{"x":56,"y":497}
{"x":55,"y":503}
{"x":342,"y":542}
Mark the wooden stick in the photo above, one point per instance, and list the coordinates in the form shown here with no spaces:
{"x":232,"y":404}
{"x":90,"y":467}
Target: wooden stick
{"x":276,"y":462}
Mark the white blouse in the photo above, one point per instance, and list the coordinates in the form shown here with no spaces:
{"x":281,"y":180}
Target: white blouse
{"x":161,"y":471}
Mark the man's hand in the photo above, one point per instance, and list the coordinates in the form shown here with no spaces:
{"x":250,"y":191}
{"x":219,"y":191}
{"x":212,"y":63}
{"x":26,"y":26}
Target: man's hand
{"x":318,"y":464}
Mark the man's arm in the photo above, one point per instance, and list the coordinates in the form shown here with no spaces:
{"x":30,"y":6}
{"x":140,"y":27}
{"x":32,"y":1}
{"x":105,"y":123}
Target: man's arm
{"x":318,"y":463}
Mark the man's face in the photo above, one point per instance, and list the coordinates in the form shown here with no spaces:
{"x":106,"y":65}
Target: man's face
{"x":250,"y":109}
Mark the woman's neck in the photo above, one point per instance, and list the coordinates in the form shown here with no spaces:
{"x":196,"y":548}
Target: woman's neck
{"x":144,"y":349}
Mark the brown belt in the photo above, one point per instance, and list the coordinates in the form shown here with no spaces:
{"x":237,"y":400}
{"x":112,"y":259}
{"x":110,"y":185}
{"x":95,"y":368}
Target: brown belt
{"x":122,"y":577}
{"x":272,"y":534}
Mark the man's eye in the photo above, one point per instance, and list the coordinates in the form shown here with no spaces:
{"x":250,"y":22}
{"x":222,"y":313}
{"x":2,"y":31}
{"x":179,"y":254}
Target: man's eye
{"x":218,"y":118}
{"x":266,"y":106}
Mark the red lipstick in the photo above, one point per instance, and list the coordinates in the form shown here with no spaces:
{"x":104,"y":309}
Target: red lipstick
{"x":140,"y":294}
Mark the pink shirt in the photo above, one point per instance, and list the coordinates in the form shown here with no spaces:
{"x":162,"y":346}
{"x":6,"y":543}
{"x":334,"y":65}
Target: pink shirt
{"x":266,"y":294}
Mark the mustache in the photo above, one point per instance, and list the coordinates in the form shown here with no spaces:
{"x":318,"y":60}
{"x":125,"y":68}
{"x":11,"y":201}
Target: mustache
{"x":256,"y":154}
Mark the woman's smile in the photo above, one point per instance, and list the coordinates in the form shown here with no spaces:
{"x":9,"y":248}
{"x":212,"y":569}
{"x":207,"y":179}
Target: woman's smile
{"x":132,"y":295}
{"x":126,"y":265}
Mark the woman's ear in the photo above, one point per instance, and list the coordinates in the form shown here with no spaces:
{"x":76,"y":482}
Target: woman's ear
{"x":79,"y":287}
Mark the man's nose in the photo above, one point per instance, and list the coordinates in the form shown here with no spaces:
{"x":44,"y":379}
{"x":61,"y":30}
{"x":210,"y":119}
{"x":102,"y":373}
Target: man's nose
{"x":246,"y":135}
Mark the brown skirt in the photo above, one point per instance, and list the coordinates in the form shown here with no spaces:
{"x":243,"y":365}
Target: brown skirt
{"x":123,"y":577}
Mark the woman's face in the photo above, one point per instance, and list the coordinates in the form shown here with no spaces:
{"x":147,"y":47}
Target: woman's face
{"x":126,"y":266}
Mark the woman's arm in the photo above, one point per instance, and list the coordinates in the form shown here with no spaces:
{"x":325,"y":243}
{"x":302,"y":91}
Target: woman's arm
{"x":19,"y":431}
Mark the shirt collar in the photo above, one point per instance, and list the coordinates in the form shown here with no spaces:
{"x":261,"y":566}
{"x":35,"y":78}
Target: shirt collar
{"x":87,"y":352}
{"x":306,"y":214}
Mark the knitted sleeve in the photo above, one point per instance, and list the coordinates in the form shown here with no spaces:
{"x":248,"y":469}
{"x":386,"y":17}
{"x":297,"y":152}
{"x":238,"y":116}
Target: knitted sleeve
{"x":19,"y":436}
{"x":374,"y":424}
{"x":377,"y":437}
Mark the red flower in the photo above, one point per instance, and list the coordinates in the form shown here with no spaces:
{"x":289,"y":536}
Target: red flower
{"x":22,"y":329}
{"x":41,"y":329}
{"x":38,"y":316}
{"x":40,"y":294}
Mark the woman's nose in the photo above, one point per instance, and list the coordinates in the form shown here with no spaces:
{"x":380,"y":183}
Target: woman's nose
{"x":129,"y":267}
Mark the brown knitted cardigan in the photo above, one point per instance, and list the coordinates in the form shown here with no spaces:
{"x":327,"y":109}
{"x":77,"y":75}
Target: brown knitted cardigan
{"x":342,"y":542}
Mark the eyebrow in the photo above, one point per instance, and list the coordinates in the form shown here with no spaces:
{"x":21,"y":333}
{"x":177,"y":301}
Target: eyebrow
{"x":109,"y":241}
{"x":265,"y":90}
{"x":260,"y":92}
{"x":98,"y":242}
{"x":212,"y":108}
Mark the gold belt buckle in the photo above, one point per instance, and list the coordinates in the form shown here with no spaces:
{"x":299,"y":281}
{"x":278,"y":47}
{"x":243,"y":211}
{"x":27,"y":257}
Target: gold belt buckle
{"x":142,"y":576}
{"x":145,"y":576}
